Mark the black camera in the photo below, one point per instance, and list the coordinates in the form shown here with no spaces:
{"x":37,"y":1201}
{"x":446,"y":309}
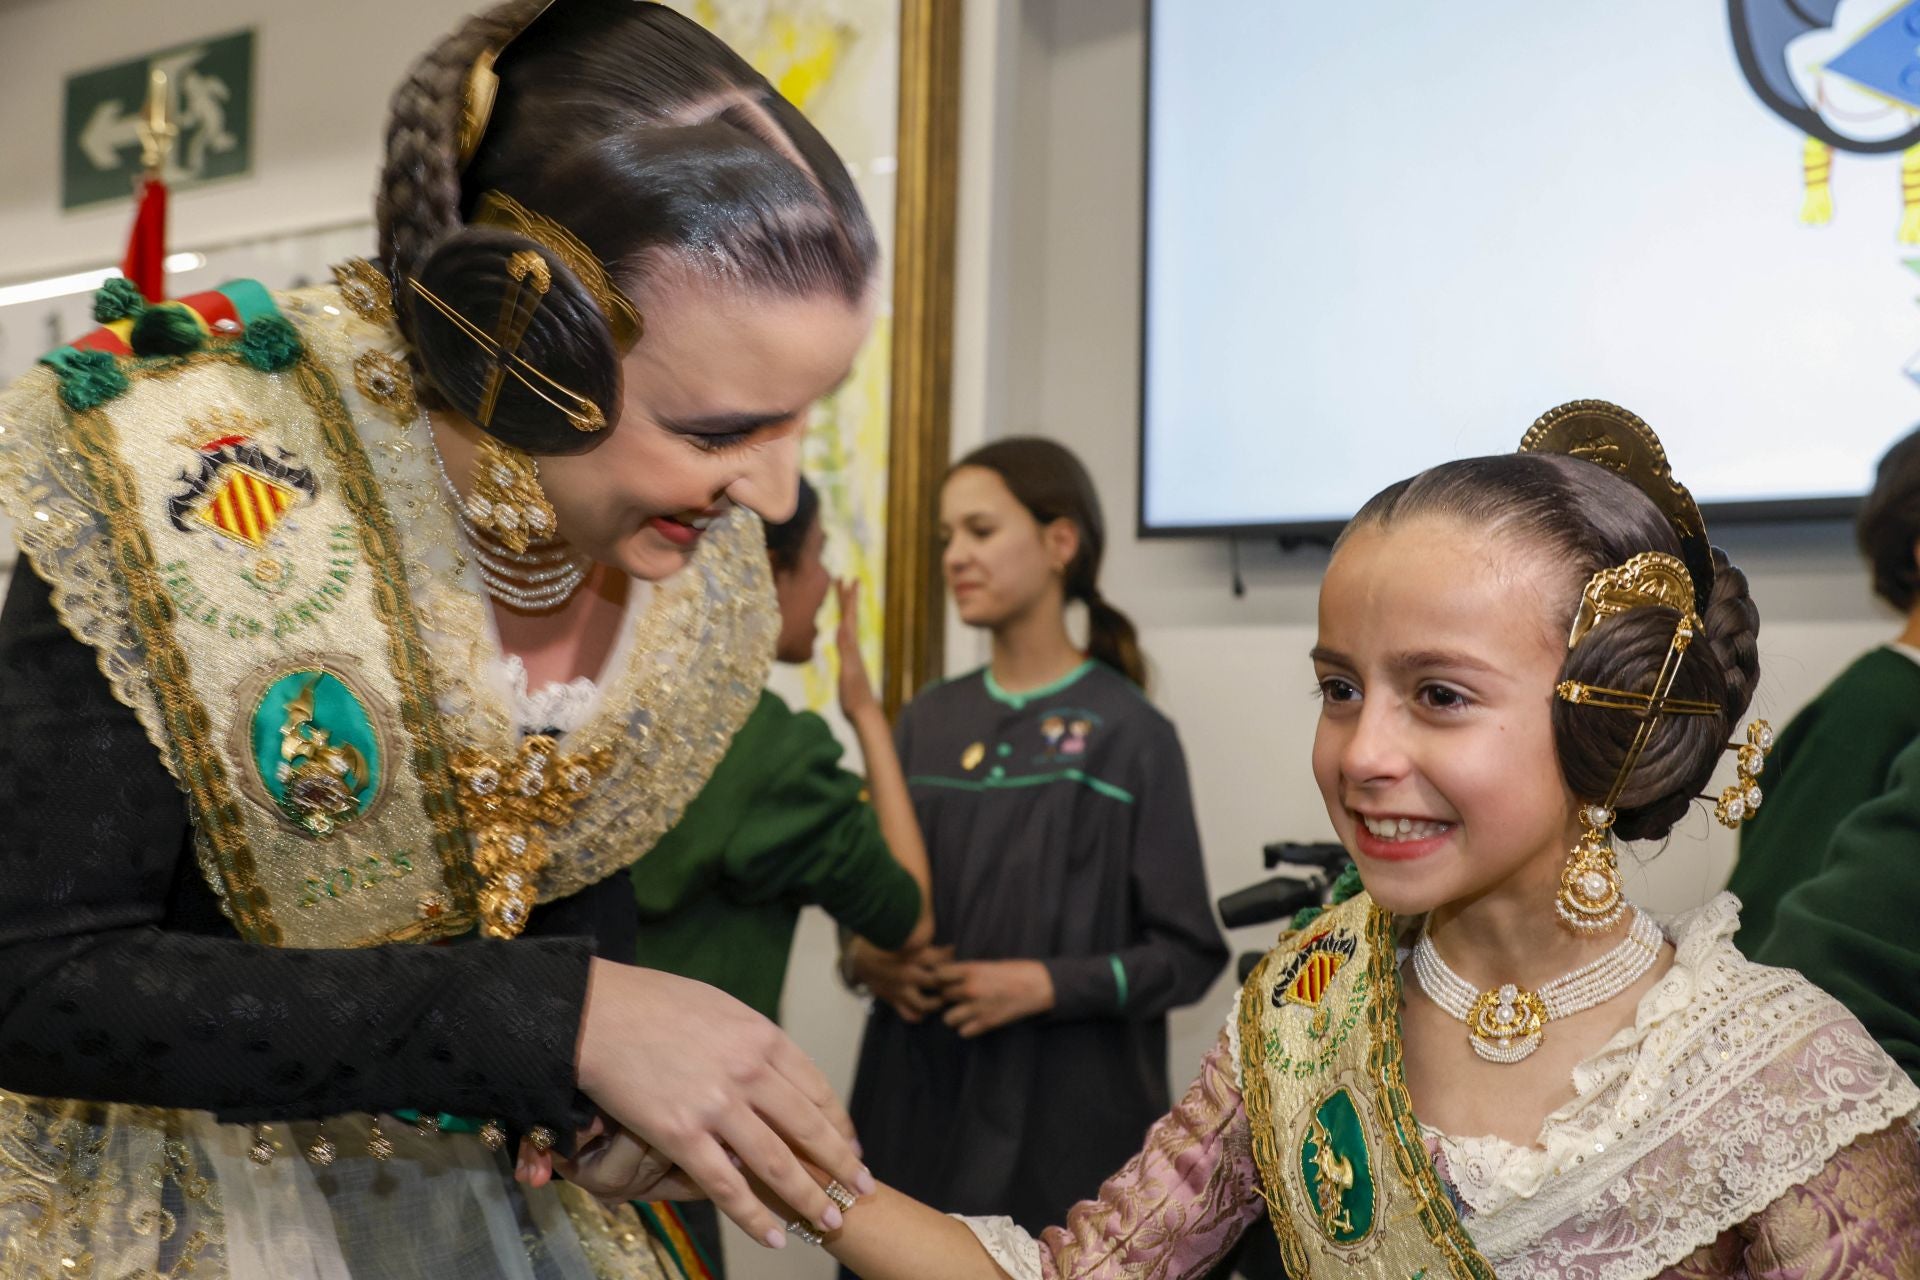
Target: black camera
{"x":1303,"y":876}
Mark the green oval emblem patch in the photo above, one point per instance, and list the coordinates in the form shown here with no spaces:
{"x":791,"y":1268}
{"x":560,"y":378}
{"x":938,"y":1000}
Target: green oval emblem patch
{"x":316,"y":750}
{"x":1337,"y":1169}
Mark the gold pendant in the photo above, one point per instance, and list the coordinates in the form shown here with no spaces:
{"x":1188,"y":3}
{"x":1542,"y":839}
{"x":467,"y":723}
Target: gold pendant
{"x":970,"y":758}
{"x":1507,"y":1023}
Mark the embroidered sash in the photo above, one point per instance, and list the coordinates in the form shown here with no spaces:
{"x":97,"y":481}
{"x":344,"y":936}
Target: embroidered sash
{"x":1348,"y":1183}
{"x":268,"y":569}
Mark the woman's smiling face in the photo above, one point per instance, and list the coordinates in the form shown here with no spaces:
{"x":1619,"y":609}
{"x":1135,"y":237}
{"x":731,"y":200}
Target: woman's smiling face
{"x":1437,"y":657}
{"x":716,"y":397}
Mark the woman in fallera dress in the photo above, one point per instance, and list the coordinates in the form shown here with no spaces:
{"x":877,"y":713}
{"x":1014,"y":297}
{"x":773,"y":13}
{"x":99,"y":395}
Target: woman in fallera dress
{"x":1490,"y":1062}
{"x":291,"y":684}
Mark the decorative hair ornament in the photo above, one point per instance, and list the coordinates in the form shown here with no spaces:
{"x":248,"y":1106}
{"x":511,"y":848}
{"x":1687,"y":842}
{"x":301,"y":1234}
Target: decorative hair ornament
{"x":529,"y":279}
{"x":1609,"y":436}
{"x":1590,"y":896}
{"x":1741,"y":800}
{"x":498,"y":209}
{"x":481,"y":86}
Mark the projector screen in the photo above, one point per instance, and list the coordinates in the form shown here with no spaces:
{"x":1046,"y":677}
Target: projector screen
{"x":1383,"y":235}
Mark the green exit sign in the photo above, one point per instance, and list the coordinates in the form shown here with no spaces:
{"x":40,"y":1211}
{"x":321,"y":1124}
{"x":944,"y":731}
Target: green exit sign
{"x":210,"y":91}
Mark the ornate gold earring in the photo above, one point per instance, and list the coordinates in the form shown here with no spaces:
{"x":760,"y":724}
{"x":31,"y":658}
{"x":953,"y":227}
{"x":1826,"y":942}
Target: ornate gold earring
{"x":1741,"y":800}
{"x":1591,"y":897}
{"x":507,"y":500}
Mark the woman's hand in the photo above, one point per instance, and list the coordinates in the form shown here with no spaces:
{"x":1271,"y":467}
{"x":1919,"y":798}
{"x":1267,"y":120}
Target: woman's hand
{"x":983,"y":995}
{"x":909,"y":981}
{"x":700,"y":1079}
{"x":856,"y":687}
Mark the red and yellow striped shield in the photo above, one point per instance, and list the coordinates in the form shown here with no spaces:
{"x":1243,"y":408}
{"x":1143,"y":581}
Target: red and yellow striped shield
{"x":245,"y":506}
{"x":1309,"y":985}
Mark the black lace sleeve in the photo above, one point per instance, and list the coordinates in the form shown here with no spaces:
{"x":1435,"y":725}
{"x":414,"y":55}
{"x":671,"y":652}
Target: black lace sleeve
{"x":120,"y":981}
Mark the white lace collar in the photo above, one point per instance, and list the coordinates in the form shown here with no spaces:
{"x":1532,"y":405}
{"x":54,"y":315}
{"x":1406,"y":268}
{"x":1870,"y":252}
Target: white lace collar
{"x":563,"y":706}
{"x":1488,"y":1171}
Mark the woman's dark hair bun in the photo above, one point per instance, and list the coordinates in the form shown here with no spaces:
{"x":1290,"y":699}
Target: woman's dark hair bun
{"x":567,"y":340}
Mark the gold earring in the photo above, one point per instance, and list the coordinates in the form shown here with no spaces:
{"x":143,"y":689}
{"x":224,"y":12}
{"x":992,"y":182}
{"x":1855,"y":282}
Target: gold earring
{"x":1591,"y":897}
{"x":507,"y":500}
{"x":1741,"y":800}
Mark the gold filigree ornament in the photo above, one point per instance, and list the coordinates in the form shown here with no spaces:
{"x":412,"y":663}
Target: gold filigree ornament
{"x":507,"y":499}
{"x":1741,"y":800}
{"x":509,"y":804}
{"x":1507,"y":1023}
{"x":1610,"y":437}
{"x":366,"y":290}
{"x":382,"y":377}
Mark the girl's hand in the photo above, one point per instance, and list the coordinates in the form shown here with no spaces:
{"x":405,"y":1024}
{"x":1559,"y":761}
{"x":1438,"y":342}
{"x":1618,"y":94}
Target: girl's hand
{"x":613,"y":1165}
{"x":983,"y":995}
{"x":701,"y":1079}
{"x":856,"y":687}
{"x":909,"y":981}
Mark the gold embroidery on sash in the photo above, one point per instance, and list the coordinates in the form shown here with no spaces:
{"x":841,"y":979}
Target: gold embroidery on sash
{"x":1347,"y":1180}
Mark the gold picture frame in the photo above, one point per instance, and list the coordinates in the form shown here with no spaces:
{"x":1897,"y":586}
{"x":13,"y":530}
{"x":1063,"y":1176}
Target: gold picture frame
{"x":919,"y":421}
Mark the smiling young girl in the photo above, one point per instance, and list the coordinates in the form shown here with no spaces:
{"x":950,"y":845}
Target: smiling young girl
{"x":1489,"y":1062}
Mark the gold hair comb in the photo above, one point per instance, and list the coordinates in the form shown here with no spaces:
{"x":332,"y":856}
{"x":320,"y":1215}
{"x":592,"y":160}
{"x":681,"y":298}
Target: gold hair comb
{"x":498,"y":209}
{"x":1609,"y":436}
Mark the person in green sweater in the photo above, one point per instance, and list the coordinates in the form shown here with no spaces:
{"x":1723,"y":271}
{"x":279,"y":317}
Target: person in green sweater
{"x":1853,"y":927}
{"x":1838,"y":753}
{"x":782,"y":825}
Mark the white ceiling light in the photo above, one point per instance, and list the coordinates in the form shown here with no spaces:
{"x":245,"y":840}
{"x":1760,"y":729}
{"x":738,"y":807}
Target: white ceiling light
{"x":87,"y":281}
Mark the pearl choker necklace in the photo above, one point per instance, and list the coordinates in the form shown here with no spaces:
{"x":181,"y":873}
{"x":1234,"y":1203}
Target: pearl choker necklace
{"x":1507,"y":1023}
{"x":538,"y":580}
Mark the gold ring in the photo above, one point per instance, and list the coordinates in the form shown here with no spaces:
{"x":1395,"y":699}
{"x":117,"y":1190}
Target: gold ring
{"x":838,"y":1193}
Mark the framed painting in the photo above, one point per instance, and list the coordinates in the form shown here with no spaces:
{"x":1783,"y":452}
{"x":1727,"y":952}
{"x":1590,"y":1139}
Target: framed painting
{"x":881,"y":79}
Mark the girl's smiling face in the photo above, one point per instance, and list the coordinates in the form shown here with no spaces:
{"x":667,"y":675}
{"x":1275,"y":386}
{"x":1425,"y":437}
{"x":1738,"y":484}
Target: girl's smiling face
{"x":1438,"y":653}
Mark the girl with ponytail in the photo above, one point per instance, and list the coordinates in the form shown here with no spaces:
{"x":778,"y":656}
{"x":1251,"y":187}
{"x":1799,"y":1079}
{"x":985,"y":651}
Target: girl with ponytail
{"x":1007,"y":1067}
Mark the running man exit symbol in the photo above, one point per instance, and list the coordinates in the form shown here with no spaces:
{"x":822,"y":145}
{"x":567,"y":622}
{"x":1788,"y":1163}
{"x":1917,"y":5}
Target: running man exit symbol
{"x":211,"y":83}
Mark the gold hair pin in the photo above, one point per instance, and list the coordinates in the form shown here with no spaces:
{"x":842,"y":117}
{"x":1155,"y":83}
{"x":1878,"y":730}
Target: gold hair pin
{"x":529,"y":278}
{"x":498,"y":209}
{"x":1590,"y":896}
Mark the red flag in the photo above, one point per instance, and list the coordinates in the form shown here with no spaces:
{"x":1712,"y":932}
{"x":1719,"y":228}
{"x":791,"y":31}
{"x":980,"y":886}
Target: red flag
{"x":147,"y":246}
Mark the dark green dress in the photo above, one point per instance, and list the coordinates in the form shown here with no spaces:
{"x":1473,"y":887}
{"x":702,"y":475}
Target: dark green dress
{"x":780,"y":826}
{"x":1854,"y":928}
{"x":1834,"y":757}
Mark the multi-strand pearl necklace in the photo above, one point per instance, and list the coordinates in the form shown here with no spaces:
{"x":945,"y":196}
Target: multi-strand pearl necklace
{"x":537,"y":580}
{"x":1506,"y":1023}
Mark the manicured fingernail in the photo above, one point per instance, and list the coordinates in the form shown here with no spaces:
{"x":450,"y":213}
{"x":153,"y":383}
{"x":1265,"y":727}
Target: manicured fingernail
{"x":858,"y":1149}
{"x":831,"y":1219}
{"x":775,"y":1238}
{"x":736,"y":1160}
{"x":865,"y":1184}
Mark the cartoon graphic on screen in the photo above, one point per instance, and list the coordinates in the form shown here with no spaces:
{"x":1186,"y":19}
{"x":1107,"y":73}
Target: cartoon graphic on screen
{"x":1846,"y":74}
